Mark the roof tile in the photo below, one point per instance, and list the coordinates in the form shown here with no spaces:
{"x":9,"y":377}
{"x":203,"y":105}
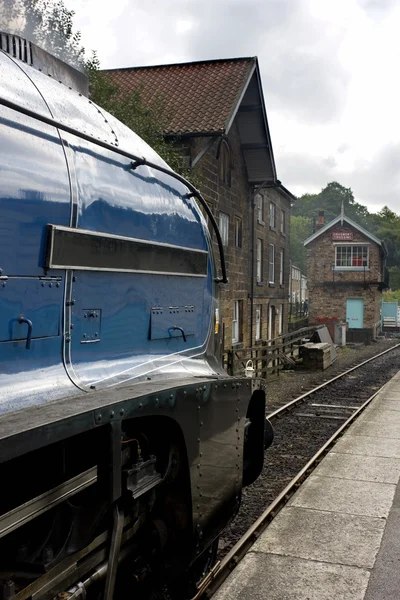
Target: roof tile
{"x":199,"y":97}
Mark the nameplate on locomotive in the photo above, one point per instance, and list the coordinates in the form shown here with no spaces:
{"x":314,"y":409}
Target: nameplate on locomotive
{"x":80,"y":249}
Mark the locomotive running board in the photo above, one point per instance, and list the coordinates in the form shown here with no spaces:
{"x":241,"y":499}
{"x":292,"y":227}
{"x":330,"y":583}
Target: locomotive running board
{"x":37,"y":506}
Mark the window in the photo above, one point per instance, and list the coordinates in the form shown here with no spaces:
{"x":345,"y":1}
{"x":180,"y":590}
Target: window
{"x":272,"y":215}
{"x":236,"y":333}
{"x":260,"y":208}
{"x":238,"y":232}
{"x":259,"y":269}
{"x":271,"y":263}
{"x":351,"y":256}
{"x":280,"y":322}
{"x":258,"y":322}
{"x":225,"y":164}
{"x":281,"y":267}
{"x":224,"y":227}
{"x":283,"y":222}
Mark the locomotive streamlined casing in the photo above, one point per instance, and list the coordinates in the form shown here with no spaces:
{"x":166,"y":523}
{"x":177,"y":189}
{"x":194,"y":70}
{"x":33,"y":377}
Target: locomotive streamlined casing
{"x":107,"y":306}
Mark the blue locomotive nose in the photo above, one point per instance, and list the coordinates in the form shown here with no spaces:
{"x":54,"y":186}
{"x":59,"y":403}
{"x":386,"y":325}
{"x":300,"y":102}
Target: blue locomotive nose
{"x":108,"y":261}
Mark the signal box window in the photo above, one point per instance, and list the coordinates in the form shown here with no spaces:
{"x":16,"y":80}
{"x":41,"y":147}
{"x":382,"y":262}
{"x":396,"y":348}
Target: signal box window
{"x":351,"y":257}
{"x":224,"y":227}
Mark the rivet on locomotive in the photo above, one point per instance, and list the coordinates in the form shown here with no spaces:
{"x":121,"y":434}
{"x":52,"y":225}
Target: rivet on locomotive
{"x":124,"y":445}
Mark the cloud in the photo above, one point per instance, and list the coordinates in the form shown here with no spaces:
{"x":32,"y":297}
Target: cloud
{"x":374,"y":182}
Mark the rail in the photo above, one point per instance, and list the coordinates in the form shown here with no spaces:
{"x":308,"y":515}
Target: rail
{"x":221,"y":571}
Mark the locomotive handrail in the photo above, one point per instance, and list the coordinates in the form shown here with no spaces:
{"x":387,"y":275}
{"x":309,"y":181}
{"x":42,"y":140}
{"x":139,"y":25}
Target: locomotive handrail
{"x":21,"y":319}
{"x":136,"y":162}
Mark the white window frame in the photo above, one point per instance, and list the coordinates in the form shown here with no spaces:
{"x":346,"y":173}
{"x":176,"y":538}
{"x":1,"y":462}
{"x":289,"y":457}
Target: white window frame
{"x":235,"y":322}
{"x":280,"y":321}
{"x":260,"y":208}
{"x":258,"y":322}
{"x":224,"y":227}
{"x":351,"y":267}
{"x":281,"y":267}
{"x":283,"y":222}
{"x":271,"y":264}
{"x":272,"y":215}
{"x":259,"y":257}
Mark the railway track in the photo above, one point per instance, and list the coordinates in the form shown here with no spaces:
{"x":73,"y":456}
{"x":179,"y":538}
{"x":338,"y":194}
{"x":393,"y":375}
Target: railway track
{"x":336,"y":412}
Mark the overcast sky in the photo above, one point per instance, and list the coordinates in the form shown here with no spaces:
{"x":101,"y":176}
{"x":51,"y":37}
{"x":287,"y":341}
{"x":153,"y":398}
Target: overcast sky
{"x":329,"y":70}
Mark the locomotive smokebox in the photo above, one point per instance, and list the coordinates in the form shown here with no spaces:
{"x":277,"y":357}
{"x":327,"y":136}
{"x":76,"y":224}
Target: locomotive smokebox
{"x":40,"y":59}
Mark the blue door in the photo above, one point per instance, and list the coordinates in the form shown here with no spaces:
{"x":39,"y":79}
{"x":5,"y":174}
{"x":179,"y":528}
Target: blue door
{"x":355,"y":313}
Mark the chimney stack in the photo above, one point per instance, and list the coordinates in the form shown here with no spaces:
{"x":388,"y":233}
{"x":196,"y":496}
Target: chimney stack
{"x":320,"y":221}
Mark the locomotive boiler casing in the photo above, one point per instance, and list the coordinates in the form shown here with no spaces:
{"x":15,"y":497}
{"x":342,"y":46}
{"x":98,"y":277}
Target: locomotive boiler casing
{"x":108,"y":305}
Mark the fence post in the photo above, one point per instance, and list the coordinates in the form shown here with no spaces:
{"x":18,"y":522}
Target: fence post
{"x":229,"y":364}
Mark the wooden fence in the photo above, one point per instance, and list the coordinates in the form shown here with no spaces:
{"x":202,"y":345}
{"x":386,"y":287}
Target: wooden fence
{"x":269,"y":356}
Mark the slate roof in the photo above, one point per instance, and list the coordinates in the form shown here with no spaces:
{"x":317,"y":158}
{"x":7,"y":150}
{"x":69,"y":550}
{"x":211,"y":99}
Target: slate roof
{"x":200,"y":97}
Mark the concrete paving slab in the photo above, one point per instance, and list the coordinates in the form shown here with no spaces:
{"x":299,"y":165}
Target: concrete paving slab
{"x":376,"y":429}
{"x":384,"y":583}
{"x":323,"y":536}
{"x":272,"y":577}
{"x":381,"y":415}
{"x":368,"y":446}
{"x":362,"y":468}
{"x":345,"y":496}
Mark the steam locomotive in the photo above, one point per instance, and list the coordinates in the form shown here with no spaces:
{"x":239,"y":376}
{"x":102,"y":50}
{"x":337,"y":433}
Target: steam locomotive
{"x":124,"y":445}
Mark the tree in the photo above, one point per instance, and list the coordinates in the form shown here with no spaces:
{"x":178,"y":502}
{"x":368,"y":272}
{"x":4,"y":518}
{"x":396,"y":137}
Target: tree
{"x":300,"y":229}
{"x":48,"y":23}
{"x":148,"y":120}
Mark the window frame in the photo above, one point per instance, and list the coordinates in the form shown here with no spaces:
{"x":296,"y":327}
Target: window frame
{"x":260,"y":208}
{"x":282,"y":267}
{"x":238,"y":232}
{"x":272,"y":215}
{"x":283,"y":222}
{"x":236,"y":322}
{"x":271,"y":262}
{"x":280,"y":320}
{"x":224,"y":228}
{"x":259,"y":260}
{"x":352,"y":257}
{"x":258,"y":331}
{"x":225,"y":164}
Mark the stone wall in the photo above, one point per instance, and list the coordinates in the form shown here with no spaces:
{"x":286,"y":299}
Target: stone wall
{"x":236,"y":200}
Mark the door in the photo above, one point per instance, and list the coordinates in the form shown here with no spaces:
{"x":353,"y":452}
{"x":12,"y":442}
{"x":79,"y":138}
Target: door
{"x":355,"y":313}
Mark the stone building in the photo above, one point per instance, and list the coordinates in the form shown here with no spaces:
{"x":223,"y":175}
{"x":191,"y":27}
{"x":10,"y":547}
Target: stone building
{"x":217,"y":117}
{"x":346,"y":273}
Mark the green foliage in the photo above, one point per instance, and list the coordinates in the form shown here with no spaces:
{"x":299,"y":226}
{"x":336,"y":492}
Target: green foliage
{"x":391,"y":296}
{"x":394,"y":278}
{"x":49,"y":24}
{"x":148,"y":120}
{"x":300,"y":229}
{"x":385,"y":224}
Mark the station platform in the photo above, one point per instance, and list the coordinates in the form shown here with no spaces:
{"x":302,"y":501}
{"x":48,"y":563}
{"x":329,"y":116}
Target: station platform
{"x":339,"y":535}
